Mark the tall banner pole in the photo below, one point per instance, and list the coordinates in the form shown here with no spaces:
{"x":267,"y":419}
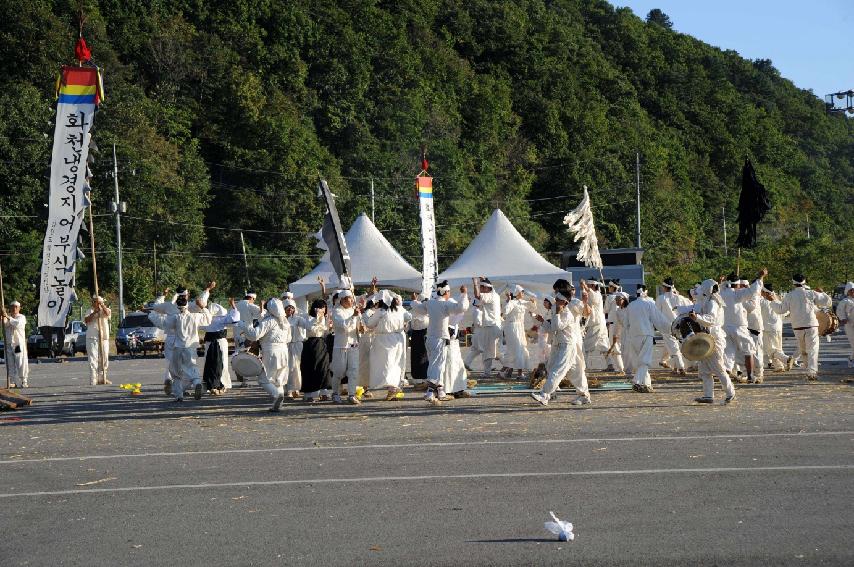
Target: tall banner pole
{"x":5,"y":336}
{"x":430,"y":273}
{"x":99,"y":319}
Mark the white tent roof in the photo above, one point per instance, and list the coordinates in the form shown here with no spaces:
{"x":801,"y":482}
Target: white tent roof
{"x":370,"y":255}
{"x":500,"y":253}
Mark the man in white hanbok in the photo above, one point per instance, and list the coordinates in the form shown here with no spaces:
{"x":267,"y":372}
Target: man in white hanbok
{"x":489,"y":304}
{"x":596,"y":331}
{"x":273,"y":331}
{"x":388,"y":345}
{"x":515,"y":312}
{"x":772,"y":334}
{"x":614,"y":354}
{"x":641,"y":318}
{"x":845,"y":312}
{"x":346,"y":322}
{"x":801,"y":303}
{"x":97,"y":321}
{"x":15,"y":355}
{"x":667,"y":303}
{"x":439,"y":309}
{"x":184,"y":325}
{"x":567,"y":353}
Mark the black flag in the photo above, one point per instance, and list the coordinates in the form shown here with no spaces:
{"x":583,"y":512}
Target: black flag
{"x":332,"y":233}
{"x":752,"y":206}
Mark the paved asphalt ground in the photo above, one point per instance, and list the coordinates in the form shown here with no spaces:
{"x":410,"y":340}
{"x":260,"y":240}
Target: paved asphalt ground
{"x":92,"y":476}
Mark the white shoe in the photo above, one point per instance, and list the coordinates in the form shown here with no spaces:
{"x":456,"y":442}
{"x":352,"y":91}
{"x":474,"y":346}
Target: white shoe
{"x":93,"y":381}
{"x":542,"y":398}
{"x":277,"y":405}
{"x":581,"y":400}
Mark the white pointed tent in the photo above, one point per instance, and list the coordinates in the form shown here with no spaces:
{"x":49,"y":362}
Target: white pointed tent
{"x":370,"y":255}
{"x":500,"y":253}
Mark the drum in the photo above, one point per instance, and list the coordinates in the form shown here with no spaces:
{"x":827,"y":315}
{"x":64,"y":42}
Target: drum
{"x":683,"y":327}
{"x":247,"y":364}
{"x":828,"y":322}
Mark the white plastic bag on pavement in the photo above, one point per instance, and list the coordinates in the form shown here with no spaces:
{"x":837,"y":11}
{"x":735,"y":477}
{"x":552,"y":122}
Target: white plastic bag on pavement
{"x":563,"y":530}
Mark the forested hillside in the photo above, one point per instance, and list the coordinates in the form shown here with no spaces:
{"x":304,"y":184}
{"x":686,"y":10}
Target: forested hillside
{"x":225,"y":114}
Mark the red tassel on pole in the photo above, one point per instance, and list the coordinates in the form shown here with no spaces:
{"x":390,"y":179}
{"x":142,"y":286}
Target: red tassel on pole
{"x":81,"y":51}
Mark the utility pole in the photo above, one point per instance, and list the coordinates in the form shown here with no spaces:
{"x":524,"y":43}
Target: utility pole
{"x":155,"y":267}
{"x":245,"y":263}
{"x":118,"y":208}
{"x":373,"y":211}
{"x":726,"y":251}
{"x":808,"y":226}
{"x":637,"y":170}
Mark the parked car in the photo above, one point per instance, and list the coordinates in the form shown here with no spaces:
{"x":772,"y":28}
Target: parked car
{"x":37,"y":344}
{"x":79,"y":330}
{"x":151,"y":337}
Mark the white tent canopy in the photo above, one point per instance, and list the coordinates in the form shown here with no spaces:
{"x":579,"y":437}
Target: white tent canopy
{"x":370,"y":255}
{"x":500,"y":253}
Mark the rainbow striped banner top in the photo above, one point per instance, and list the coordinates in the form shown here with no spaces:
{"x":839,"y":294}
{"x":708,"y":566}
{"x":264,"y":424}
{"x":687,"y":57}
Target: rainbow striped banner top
{"x":79,"y":85}
{"x":425,"y":187}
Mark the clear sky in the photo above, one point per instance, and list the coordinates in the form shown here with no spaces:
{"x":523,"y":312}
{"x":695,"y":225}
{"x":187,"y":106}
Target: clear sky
{"x":811,"y":42}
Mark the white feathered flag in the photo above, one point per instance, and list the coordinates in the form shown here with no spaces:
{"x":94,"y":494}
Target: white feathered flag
{"x":580,"y":222}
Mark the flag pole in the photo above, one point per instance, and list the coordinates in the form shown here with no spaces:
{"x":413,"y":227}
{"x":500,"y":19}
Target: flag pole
{"x":5,"y":336}
{"x":101,"y":369}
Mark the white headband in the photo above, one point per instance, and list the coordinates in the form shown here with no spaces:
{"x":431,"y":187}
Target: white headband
{"x":15,"y":304}
{"x":344,"y":293}
{"x":561,"y":297}
{"x":252,"y":295}
{"x":290,"y":303}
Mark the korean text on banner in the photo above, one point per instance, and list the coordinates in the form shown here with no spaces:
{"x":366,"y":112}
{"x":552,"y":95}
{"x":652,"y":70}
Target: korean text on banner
{"x":79,"y":94}
{"x":428,"y":234}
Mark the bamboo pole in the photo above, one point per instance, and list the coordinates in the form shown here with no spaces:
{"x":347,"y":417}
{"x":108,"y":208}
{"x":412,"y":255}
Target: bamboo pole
{"x":5,"y":335}
{"x":102,"y":371}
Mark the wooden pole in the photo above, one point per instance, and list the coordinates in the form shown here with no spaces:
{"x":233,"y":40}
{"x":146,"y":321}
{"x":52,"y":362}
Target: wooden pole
{"x":738,"y":263}
{"x":5,"y":336}
{"x":99,"y":320}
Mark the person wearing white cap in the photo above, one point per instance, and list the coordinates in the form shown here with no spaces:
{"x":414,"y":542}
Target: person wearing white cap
{"x":273,"y":331}
{"x":567,"y":353}
{"x":184,"y":325}
{"x":614,"y":354}
{"x":455,"y":377}
{"x":596,"y":331}
{"x":215,"y":373}
{"x":616,"y":328}
{"x":845,"y":312}
{"x":708,"y":311}
{"x":368,"y":306}
{"x":515,"y":311}
{"x":667,"y":303}
{"x":642,"y":317}
{"x":97,"y":321}
{"x":388,"y":346}
{"x":346,"y":320}
{"x":801,"y":304}
{"x":16,"y":344}
{"x":158,"y":318}
{"x":489,"y":304}
{"x":772,"y":334}
{"x":439,"y":309}
{"x":295,"y":346}
{"x":739,"y":344}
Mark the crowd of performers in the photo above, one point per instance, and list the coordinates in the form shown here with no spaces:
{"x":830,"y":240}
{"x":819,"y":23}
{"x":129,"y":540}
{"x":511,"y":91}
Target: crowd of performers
{"x":359,"y":343}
